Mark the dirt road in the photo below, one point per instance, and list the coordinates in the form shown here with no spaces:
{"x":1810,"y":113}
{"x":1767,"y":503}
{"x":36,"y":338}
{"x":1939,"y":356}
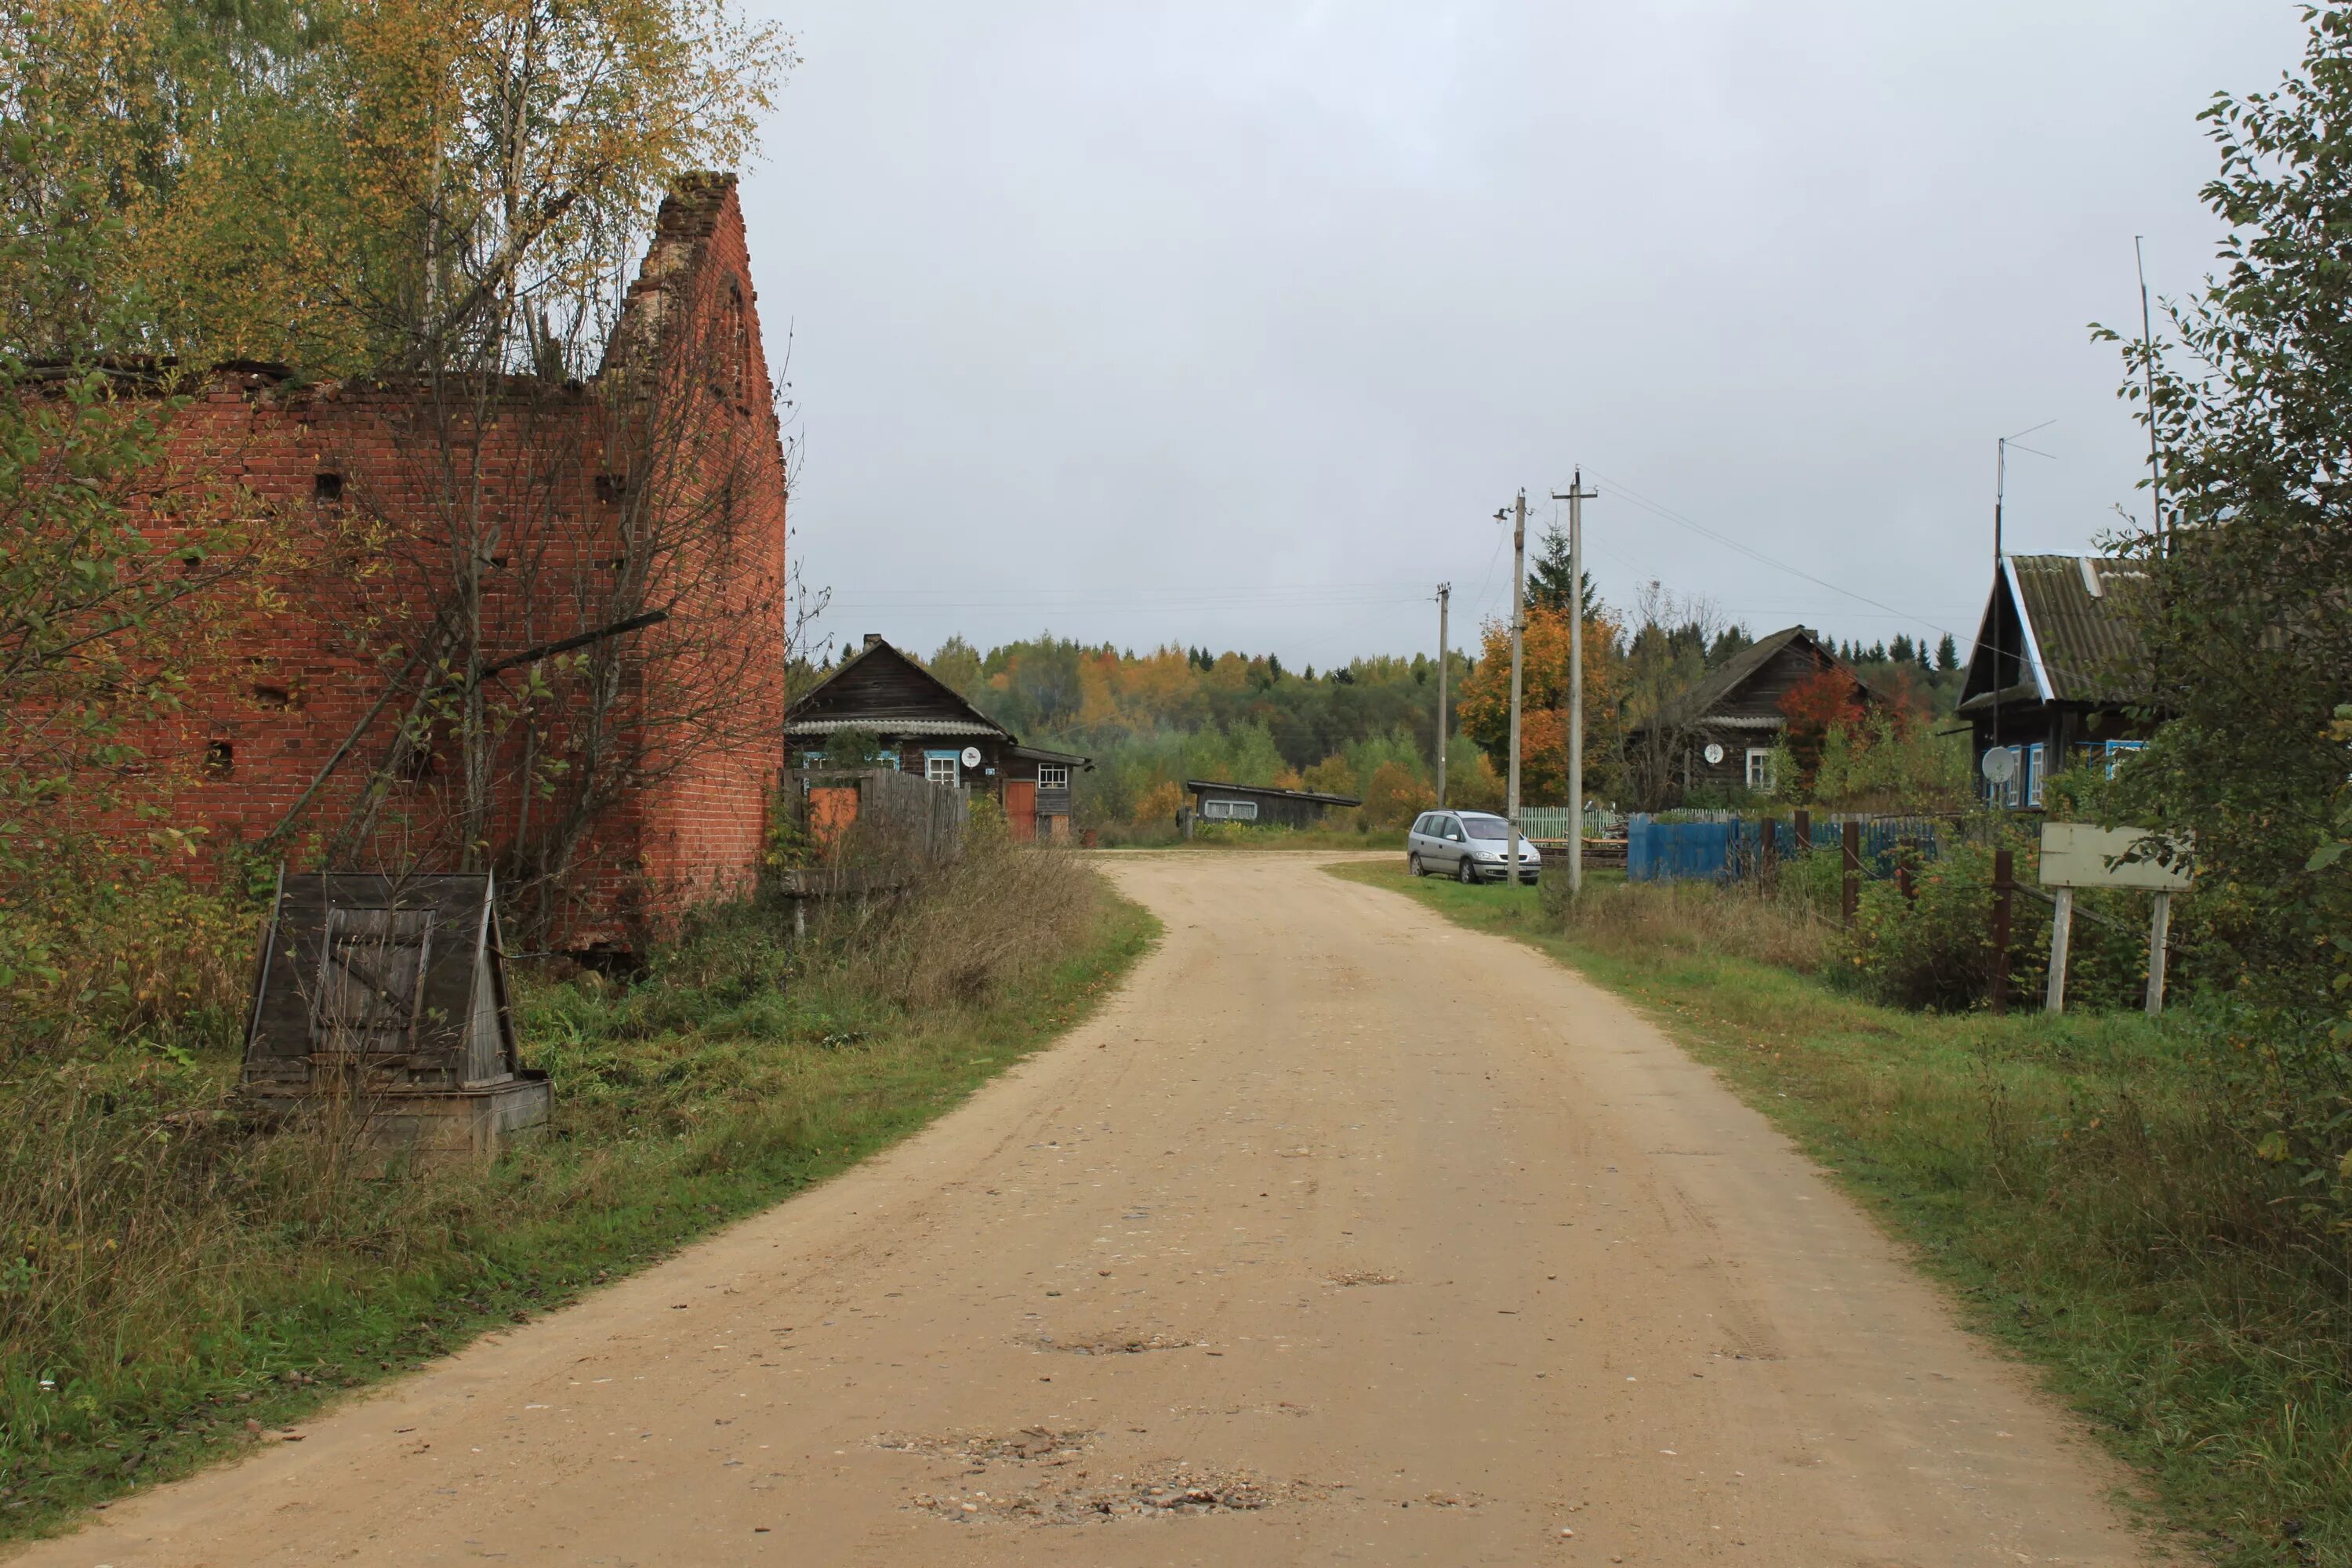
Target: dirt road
{"x":1341,"y":1235}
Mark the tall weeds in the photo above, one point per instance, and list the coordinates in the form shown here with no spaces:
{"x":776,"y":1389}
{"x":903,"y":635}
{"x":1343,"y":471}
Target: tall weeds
{"x":168,"y":1266}
{"x":1697,"y":918}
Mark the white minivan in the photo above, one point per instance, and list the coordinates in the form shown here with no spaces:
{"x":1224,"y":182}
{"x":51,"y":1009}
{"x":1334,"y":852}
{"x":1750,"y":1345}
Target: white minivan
{"x":1467,"y":846}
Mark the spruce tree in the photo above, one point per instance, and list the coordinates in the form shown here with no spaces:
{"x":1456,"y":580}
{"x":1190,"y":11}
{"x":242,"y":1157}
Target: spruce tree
{"x":1548,"y":578}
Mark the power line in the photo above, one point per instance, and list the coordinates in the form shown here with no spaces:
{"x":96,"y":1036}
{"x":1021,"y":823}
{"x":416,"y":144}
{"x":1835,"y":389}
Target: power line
{"x":1646,"y":504}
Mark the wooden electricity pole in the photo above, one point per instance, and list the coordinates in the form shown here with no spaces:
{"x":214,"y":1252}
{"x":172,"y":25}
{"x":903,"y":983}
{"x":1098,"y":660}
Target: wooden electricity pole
{"x":1444,"y":593}
{"x":1518,"y":630}
{"x":1576,"y":496}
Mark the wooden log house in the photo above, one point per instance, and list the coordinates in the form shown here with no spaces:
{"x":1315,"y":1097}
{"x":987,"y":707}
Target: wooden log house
{"x":1721,"y":733}
{"x":917,"y":724}
{"x":2054,"y":674}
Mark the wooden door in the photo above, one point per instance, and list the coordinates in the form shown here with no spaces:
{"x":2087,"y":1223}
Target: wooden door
{"x":371,"y":986}
{"x":1021,"y":809}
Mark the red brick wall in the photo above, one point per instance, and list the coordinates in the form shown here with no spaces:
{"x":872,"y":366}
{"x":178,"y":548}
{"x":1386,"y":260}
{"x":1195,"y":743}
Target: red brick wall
{"x":701,"y":697}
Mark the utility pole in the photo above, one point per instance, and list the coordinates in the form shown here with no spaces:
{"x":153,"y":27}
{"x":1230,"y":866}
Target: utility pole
{"x":1444,"y":593}
{"x":2148,"y":365}
{"x":1576,"y":496}
{"x":2000,"y":576}
{"x":1999,"y":492}
{"x":1519,"y":629}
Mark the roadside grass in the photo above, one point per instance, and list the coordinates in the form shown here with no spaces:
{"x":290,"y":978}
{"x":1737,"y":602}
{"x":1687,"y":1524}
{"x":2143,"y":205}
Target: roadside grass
{"x":173,"y":1276}
{"x":2068,"y":1178}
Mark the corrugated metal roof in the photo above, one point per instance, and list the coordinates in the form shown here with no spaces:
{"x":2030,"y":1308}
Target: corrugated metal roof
{"x":893,"y":726}
{"x":2078,"y":634}
{"x":1198,"y":785}
{"x":1043,"y":754}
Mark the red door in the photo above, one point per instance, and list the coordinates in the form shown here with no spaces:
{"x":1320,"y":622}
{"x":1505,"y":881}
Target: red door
{"x":1021,"y":809}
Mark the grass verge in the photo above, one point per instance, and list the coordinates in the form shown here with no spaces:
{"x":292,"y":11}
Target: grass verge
{"x":2068,"y":1178}
{"x":176,"y":1276}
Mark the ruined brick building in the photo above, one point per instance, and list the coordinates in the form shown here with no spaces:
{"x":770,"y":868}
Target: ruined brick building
{"x":520,"y":622}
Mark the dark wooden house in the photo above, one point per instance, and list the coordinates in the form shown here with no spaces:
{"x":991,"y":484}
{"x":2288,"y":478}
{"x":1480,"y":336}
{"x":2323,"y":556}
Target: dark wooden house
{"x":917,"y":724}
{"x":1719,"y":735}
{"x":2054,"y":674}
{"x":1265,"y":808}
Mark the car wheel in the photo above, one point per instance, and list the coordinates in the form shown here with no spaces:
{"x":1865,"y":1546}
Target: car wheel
{"x":1413,"y":865}
{"x":1462,"y":871}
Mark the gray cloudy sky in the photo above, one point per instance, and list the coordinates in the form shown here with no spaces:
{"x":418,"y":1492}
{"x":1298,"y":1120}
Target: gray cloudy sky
{"x":1232,"y":321}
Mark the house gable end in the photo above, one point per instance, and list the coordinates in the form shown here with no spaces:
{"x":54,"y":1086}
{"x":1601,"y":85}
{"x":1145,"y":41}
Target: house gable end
{"x":881,"y":684}
{"x":1998,"y":620}
{"x":2064,"y":631}
{"x":1757,"y":695}
{"x":1746,"y":691}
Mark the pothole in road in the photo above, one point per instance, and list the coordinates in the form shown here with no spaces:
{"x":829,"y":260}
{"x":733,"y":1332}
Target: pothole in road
{"x":981,"y":1448}
{"x":1364,"y":1276}
{"x":1181,"y":1491}
{"x":1113,"y":1344}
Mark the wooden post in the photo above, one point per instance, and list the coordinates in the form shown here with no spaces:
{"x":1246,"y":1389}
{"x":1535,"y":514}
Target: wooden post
{"x":1804,"y":831}
{"x":1904,"y":883}
{"x":2159,"y":934}
{"x":1849,"y":836}
{"x":2062,"y":932}
{"x":1766,"y":853}
{"x":2004,"y":867}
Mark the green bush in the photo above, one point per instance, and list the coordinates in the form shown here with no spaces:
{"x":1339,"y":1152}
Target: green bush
{"x":1934,"y":950}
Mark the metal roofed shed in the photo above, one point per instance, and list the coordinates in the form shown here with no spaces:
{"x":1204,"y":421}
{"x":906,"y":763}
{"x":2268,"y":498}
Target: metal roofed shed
{"x":1259,"y":805}
{"x":385,"y":998}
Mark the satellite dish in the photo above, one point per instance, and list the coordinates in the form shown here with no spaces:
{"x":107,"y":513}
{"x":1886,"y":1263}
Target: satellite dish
{"x":1714,"y":753}
{"x":2000,"y":765}
{"x":971,"y":757}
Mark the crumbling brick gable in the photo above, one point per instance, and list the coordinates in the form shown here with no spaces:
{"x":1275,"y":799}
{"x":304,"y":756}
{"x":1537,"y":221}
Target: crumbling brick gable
{"x":359,"y":470}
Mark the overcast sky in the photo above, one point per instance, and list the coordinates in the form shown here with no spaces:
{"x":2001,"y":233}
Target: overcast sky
{"x":1232,"y":321}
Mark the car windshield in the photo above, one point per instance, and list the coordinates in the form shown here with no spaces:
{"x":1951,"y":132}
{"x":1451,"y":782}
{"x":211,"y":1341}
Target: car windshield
{"x":1486,"y":827}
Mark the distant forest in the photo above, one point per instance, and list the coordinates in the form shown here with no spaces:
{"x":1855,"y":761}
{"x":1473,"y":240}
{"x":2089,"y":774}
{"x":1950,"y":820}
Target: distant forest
{"x":1368,"y":727}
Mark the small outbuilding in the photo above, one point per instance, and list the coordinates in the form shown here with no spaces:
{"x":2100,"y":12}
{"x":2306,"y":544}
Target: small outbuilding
{"x":384,"y":998}
{"x":1259,"y":804}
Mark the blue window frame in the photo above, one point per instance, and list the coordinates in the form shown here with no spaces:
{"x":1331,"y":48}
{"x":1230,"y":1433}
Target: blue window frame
{"x":2009,"y":792}
{"x":2033,"y":773}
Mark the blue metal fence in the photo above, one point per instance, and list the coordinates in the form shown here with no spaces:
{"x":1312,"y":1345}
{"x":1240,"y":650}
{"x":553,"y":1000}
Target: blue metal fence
{"x":1658,"y":851}
{"x":1672,"y":851}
